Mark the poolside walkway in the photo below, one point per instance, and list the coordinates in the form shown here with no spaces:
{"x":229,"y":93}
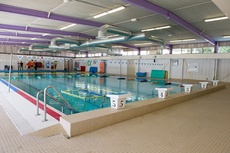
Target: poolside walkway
{"x":200,"y":125}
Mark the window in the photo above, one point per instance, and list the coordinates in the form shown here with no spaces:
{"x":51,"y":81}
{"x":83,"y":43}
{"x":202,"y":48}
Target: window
{"x":165,"y":51}
{"x":196,"y":50}
{"x":124,"y":53}
{"x":224,"y":49}
{"x":208,"y":50}
{"x":176,"y":51}
{"x":90,"y":55}
{"x":135,"y":52}
{"x":186,"y":51}
{"x":144,"y":52}
{"x":130,"y":53}
{"x":98,"y":54}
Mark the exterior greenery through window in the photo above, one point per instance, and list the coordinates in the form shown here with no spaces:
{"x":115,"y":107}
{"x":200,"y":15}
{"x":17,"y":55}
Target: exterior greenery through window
{"x":224,"y":49}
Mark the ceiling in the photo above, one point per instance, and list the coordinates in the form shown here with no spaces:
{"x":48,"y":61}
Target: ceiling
{"x":22,"y":20}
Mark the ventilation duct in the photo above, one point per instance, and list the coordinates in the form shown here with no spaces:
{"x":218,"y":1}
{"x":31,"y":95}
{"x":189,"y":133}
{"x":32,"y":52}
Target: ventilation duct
{"x":37,"y":50}
{"x":98,"y":42}
{"x":70,"y":44}
{"x":112,"y":29}
{"x":38,"y":46}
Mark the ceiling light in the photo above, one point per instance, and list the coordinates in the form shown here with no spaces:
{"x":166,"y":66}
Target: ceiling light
{"x":33,"y":38}
{"x":142,"y":44}
{"x":148,"y":29}
{"x":134,"y":19}
{"x":100,"y":15}
{"x":116,"y":46}
{"x":216,"y":19}
{"x":109,"y":12}
{"x":157,"y":28}
{"x":112,"y":36}
{"x":45,"y":34}
{"x":180,"y":40}
{"x":164,"y":27}
{"x":188,"y":39}
{"x":71,"y":25}
{"x":116,"y":9}
{"x":66,"y":1}
{"x":226,"y":36}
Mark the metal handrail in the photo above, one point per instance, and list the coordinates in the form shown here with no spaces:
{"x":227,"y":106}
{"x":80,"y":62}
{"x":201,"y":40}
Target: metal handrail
{"x":45,"y":93}
{"x":37,"y":102}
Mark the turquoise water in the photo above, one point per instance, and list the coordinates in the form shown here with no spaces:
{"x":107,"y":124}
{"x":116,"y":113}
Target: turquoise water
{"x":87,"y":93}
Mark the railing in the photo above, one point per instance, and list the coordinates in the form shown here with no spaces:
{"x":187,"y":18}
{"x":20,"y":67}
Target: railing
{"x":45,"y":93}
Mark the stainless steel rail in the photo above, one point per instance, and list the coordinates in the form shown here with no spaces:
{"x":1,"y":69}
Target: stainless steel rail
{"x":45,"y":94}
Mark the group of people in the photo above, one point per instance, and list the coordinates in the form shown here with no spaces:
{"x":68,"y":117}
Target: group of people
{"x":32,"y":64}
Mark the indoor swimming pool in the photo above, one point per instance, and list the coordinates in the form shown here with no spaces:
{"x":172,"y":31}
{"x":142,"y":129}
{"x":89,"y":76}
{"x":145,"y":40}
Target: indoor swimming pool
{"x":85,"y":93}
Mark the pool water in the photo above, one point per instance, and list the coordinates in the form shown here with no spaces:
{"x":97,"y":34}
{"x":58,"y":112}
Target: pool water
{"x":87,"y":93}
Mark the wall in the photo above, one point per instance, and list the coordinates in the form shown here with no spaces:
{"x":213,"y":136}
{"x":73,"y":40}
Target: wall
{"x":131,"y":68}
{"x":178,"y":66}
{"x":223,"y":71}
{"x":5,"y":60}
{"x":153,"y":64}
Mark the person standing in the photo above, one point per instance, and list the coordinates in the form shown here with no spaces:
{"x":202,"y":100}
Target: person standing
{"x":55,"y":65}
{"x":21,"y":65}
{"x":35,"y":65}
{"x":18,"y":65}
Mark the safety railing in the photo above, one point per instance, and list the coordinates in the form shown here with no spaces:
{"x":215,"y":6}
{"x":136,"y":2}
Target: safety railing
{"x":45,"y":94}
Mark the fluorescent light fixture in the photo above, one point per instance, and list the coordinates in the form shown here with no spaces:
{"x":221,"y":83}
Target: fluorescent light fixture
{"x":175,"y":40}
{"x":45,"y":34}
{"x":116,"y":9}
{"x":112,"y":36}
{"x":226,"y":36}
{"x":100,"y":15}
{"x":23,"y":42}
{"x":157,"y":28}
{"x":33,"y":38}
{"x":188,"y":39}
{"x":151,"y":29}
{"x":133,"y":20}
{"x":117,"y":46}
{"x":109,"y":12}
{"x":164,"y":27}
{"x":216,"y":19}
{"x":68,"y":26}
{"x":182,"y":40}
{"x":142,"y":44}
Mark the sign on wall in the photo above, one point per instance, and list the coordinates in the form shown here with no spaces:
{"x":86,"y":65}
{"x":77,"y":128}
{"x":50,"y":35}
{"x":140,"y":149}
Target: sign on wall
{"x":193,"y":67}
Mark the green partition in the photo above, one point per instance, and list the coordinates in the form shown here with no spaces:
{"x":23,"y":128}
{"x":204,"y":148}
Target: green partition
{"x":159,"y":74}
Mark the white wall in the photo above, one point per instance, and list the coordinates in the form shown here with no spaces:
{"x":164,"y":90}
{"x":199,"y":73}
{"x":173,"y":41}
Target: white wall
{"x":223,"y":70}
{"x":146,"y":65}
{"x":131,"y":67}
{"x":176,"y":70}
{"x":205,"y":70}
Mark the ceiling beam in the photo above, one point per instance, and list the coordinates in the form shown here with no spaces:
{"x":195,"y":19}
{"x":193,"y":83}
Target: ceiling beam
{"x":39,"y":30}
{"x":16,"y":34}
{"x":169,"y":15}
{"x":13,"y":43}
{"x":24,"y":40}
{"x":47,"y":15}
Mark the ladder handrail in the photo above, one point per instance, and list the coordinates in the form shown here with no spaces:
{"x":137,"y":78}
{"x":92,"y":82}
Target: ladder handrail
{"x":37,"y":102}
{"x":45,"y":93}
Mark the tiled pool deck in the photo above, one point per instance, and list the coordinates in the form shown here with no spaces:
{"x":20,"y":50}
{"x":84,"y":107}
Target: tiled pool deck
{"x":198,"y":125}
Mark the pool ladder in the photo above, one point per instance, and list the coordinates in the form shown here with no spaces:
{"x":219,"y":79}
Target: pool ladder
{"x":45,"y":94}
